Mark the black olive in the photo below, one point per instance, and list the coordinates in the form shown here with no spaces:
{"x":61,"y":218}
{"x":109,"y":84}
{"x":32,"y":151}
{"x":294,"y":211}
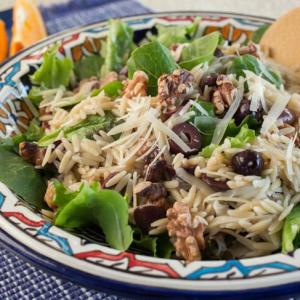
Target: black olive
{"x":215,"y":184}
{"x":287,"y":117}
{"x":160,"y":171}
{"x":247,"y":162}
{"x":218,"y":53}
{"x":244,"y":110}
{"x":193,"y":138}
{"x":146,"y":214}
{"x":208,"y":79}
{"x":190,"y":169}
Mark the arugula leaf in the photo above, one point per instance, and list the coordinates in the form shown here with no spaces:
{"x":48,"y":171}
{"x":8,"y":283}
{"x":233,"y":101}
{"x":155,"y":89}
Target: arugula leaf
{"x":206,"y":125}
{"x":259,"y":32}
{"x":88,"y":66}
{"x":111,"y":89}
{"x":21,"y":177}
{"x":291,"y":230}
{"x":34,"y":131}
{"x":53,"y":72}
{"x":86,"y":128}
{"x":165,"y":248}
{"x":91,"y":205}
{"x":199,"y":51}
{"x":251,"y":63}
{"x":118,"y":47}
{"x":202,"y":107}
{"x":244,"y":136}
{"x":154,"y":59}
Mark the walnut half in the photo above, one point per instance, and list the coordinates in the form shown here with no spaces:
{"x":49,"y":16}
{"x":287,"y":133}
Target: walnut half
{"x":223,"y":95}
{"x":186,"y":232}
{"x":137,"y":86}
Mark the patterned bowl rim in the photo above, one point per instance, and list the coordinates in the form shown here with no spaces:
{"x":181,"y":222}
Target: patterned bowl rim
{"x":85,"y":273}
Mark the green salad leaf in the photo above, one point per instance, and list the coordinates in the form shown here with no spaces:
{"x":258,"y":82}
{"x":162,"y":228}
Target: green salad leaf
{"x":54,"y":72}
{"x":158,"y":246}
{"x":20,"y":176}
{"x":118,"y":47}
{"x":85,"y":128}
{"x":259,"y":32}
{"x":154,"y":59}
{"x":245,"y":136}
{"x":35,"y":95}
{"x":251,"y":63}
{"x":291,"y":231}
{"x":111,"y":89}
{"x":168,"y":35}
{"x":88,"y":66}
{"x":34,"y":131}
{"x":207,"y":151}
{"x":199,"y":51}
{"x":91,"y":205}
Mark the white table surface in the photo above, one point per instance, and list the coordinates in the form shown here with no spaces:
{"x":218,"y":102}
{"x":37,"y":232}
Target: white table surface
{"x":268,"y":8}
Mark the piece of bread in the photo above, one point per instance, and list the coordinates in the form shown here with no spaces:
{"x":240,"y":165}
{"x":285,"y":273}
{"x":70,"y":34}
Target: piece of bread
{"x":281,"y":41}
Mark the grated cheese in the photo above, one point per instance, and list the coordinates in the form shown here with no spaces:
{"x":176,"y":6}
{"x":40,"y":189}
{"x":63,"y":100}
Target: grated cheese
{"x":289,"y":157}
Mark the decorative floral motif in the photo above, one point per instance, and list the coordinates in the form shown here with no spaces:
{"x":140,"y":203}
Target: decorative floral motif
{"x":15,"y":113}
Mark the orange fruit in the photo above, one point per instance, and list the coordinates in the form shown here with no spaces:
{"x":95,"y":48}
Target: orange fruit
{"x":3,"y":41}
{"x":28,"y":25}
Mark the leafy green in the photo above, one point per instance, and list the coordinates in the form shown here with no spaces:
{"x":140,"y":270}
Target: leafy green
{"x":88,"y":66}
{"x":168,"y":35}
{"x":34,"y":131}
{"x":244,"y":136}
{"x":20,"y":176}
{"x":83,"y":129}
{"x":291,"y":230}
{"x":208,"y":150}
{"x":199,"y":51}
{"x":259,"y":32}
{"x":119,"y":46}
{"x":91,"y":205}
{"x":202,"y":107}
{"x":111,"y":89}
{"x":251,"y":63}
{"x":158,"y":246}
{"x":154,"y":59}
{"x":206,"y":125}
{"x":53,"y":72}
{"x":35,"y":95}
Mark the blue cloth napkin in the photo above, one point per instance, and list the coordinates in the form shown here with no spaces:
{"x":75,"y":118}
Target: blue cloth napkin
{"x":18,"y":279}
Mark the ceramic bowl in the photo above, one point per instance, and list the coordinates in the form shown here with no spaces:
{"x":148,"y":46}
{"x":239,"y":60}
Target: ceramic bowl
{"x":84,"y":258}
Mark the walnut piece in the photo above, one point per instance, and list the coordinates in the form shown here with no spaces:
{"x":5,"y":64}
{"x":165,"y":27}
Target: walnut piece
{"x":185,"y":231}
{"x":32,"y":153}
{"x":174,"y":88}
{"x":137,"y":86}
{"x":249,"y":49}
{"x":49,"y":195}
{"x":223,"y":95}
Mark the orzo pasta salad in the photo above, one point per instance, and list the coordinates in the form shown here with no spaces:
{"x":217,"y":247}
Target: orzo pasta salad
{"x":183,"y":145}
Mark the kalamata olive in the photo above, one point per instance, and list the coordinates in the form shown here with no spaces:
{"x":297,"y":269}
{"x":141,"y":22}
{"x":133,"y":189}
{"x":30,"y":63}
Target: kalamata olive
{"x":151,"y":191}
{"x":208,"y":79}
{"x":218,"y":53}
{"x":190,"y":135}
{"x":160,"y":171}
{"x":244,"y":110}
{"x":146,"y":214}
{"x":190,"y":169}
{"x":217,"y":185}
{"x":247,"y":162}
{"x":287,"y":117}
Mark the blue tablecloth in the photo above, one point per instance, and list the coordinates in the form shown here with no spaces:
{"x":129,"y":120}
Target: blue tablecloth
{"x":18,"y":279}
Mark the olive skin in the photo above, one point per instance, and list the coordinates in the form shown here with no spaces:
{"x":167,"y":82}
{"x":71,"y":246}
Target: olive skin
{"x":247,"y":162}
{"x":146,"y":214}
{"x":287,"y":117}
{"x":193,"y":136}
{"x":160,"y":171}
{"x":209,"y":79}
{"x":215,"y":184}
{"x":244,"y":110}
